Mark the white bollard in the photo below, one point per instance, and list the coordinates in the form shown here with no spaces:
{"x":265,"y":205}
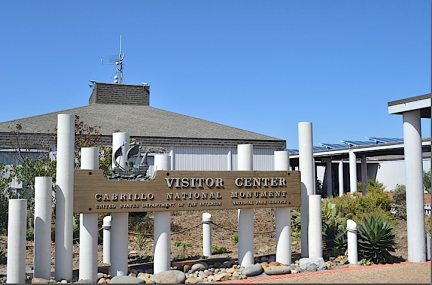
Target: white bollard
{"x":245,"y":216}
{"x":315,"y":226}
{"x":16,"y":270}
{"x":88,"y":251}
{"x":307,"y":169}
{"x":283,"y":216}
{"x":119,"y":221}
{"x":353,"y":171}
{"x":42,"y":228}
{"x":352,"y":242}
{"x":106,"y":225}
{"x":64,"y":197}
{"x":162,"y":225}
{"x":207,"y":242}
{"x":428,"y":247}
{"x":364,"y":174}
{"x":341,"y":187}
{"x":329,"y":181}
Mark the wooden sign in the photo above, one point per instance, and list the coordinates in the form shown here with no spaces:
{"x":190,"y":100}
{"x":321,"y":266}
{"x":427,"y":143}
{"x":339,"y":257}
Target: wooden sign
{"x":177,"y":190}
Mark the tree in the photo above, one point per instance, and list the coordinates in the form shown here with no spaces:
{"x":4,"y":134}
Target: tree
{"x":427,"y":180}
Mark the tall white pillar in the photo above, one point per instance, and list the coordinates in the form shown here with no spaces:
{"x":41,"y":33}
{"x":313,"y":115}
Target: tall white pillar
{"x":283,"y":216}
{"x":42,"y":228}
{"x":17,"y":220}
{"x":341,"y":180}
{"x":315,"y":226}
{"x":245,"y":216}
{"x":352,"y":242}
{"x":414,"y":186}
{"x":364,"y":174}
{"x":119,"y":221}
{"x":106,"y":225}
{"x":329,"y":179}
{"x":64,"y":197}
{"x":353,"y":171}
{"x":207,"y":242}
{"x":88,"y":251}
{"x":162,"y":225}
{"x":306,"y":167}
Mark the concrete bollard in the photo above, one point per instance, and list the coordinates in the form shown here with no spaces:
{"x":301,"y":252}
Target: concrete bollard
{"x":245,"y":216}
{"x":428,"y":247}
{"x":340,"y":170}
{"x":283,"y":216}
{"x":88,"y":251}
{"x":352,"y":242}
{"x":64,"y":197}
{"x":106,"y":225}
{"x":162,"y":226}
{"x":42,"y":228}
{"x":207,"y":242}
{"x":315,"y":226}
{"x":16,"y":270}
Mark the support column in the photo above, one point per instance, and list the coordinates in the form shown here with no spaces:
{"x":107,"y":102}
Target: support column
{"x":245,"y":216}
{"x":352,"y":242}
{"x":283,"y":216}
{"x":207,"y":242}
{"x":64,"y":197}
{"x":414,"y":186}
{"x":341,"y":180}
{"x":162,"y":225}
{"x":306,"y":167}
{"x":329,"y":179}
{"x":16,"y":244}
{"x":106,"y":225}
{"x":42,"y":228}
{"x":88,"y":251}
{"x":364,"y":174}
{"x":120,"y":221}
{"x":353,"y":171}
{"x":315,"y":226}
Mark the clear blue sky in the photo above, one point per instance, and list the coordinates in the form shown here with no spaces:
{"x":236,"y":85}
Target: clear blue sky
{"x":262,"y":65}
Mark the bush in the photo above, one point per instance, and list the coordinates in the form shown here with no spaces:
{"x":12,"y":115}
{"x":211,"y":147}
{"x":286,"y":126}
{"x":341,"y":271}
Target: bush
{"x":376,"y":239}
{"x":3,"y":258}
{"x":399,"y":202}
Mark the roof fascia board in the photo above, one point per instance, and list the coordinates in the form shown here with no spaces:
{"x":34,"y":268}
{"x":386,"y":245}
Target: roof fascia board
{"x":409,"y":106}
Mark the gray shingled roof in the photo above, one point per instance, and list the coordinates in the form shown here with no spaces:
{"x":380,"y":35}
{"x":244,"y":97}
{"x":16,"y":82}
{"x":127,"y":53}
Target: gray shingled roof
{"x":140,"y":121}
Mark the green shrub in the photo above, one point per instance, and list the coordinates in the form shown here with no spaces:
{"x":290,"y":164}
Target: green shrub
{"x":376,"y":239}
{"x":399,"y":202}
{"x":235,"y":239}
{"x":216,"y":249}
{"x":3,"y":258}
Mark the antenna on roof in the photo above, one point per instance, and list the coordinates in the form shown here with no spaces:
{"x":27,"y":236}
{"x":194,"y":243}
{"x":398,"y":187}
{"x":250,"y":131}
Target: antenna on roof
{"x":118,"y":61}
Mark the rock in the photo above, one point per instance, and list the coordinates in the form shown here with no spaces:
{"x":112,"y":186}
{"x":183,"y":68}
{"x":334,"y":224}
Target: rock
{"x":142,"y":274}
{"x":186,"y":268}
{"x":221,"y":277}
{"x":217,"y":264}
{"x":272,"y":258}
{"x":63,"y":281}
{"x":277,"y":270}
{"x":100,"y":275}
{"x":312,"y":263}
{"x":84,"y":281}
{"x":132,"y":274}
{"x":230,"y":270}
{"x":210,"y":278}
{"x":39,"y":281}
{"x":199,"y":266}
{"x":253,"y":270}
{"x":146,"y":279}
{"x":101,"y":281}
{"x":264,"y":259}
{"x":170,"y":276}
{"x":191,"y":281}
{"x":264,"y":265}
{"x":274,"y":263}
{"x":134,"y":271}
{"x":126,"y":280}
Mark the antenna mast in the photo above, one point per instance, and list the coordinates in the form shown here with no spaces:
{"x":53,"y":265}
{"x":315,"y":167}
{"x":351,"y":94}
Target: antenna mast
{"x":118,"y":61}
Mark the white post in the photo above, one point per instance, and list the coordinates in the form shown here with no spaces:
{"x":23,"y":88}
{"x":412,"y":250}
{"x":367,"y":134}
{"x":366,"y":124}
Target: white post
{"x":106,"y":225}
{"x":119,"y":221}
{"x":306,"y":167}
{"x":414,"y":186}
{"x":352,"y":242}
{"x":42,"y":228}
{"x":341,"y":180}
{"x":64,"y":197}
{"x":88,"y":251}
{"x":428,"y":247}
{"x":162,"y":226}
{"x":353,"y":171}
{"x":16,"y":273}
{"x":364,"y":174}
{"x":283,"y":216}
{"x":315,"y":226}
{"x":207,"y":242}
{"x":245,"y":216}
{"x":329,"y":179}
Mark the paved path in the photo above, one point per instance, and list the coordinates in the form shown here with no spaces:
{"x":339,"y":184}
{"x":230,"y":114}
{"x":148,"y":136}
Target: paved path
{"x":404,"y":272}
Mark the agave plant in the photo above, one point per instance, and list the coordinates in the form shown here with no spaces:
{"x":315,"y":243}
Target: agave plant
{"x":376,"y":240}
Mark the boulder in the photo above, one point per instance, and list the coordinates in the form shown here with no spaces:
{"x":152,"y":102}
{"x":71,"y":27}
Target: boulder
{"x":191,"y":281}
{"x":221,"y":277}
{"x":312,"y":263}
{"x":39,"y":281}
{"x":199,"y":266}
{"x":277,"y":270}
{"x":253,"y":270}
{"x":170,"y":276}
{"x":126,"y":280}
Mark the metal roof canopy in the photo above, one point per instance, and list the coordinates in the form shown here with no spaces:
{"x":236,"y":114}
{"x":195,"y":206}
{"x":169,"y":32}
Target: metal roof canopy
{"x":422,"y":103}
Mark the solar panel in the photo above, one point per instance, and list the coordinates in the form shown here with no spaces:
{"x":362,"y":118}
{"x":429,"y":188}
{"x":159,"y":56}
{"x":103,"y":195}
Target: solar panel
{"x":291,"y":150}
{"x":385,"y":140}
{"x":358,"y":143}
{"x":334,"y":145}
{"x":319,"y":148}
